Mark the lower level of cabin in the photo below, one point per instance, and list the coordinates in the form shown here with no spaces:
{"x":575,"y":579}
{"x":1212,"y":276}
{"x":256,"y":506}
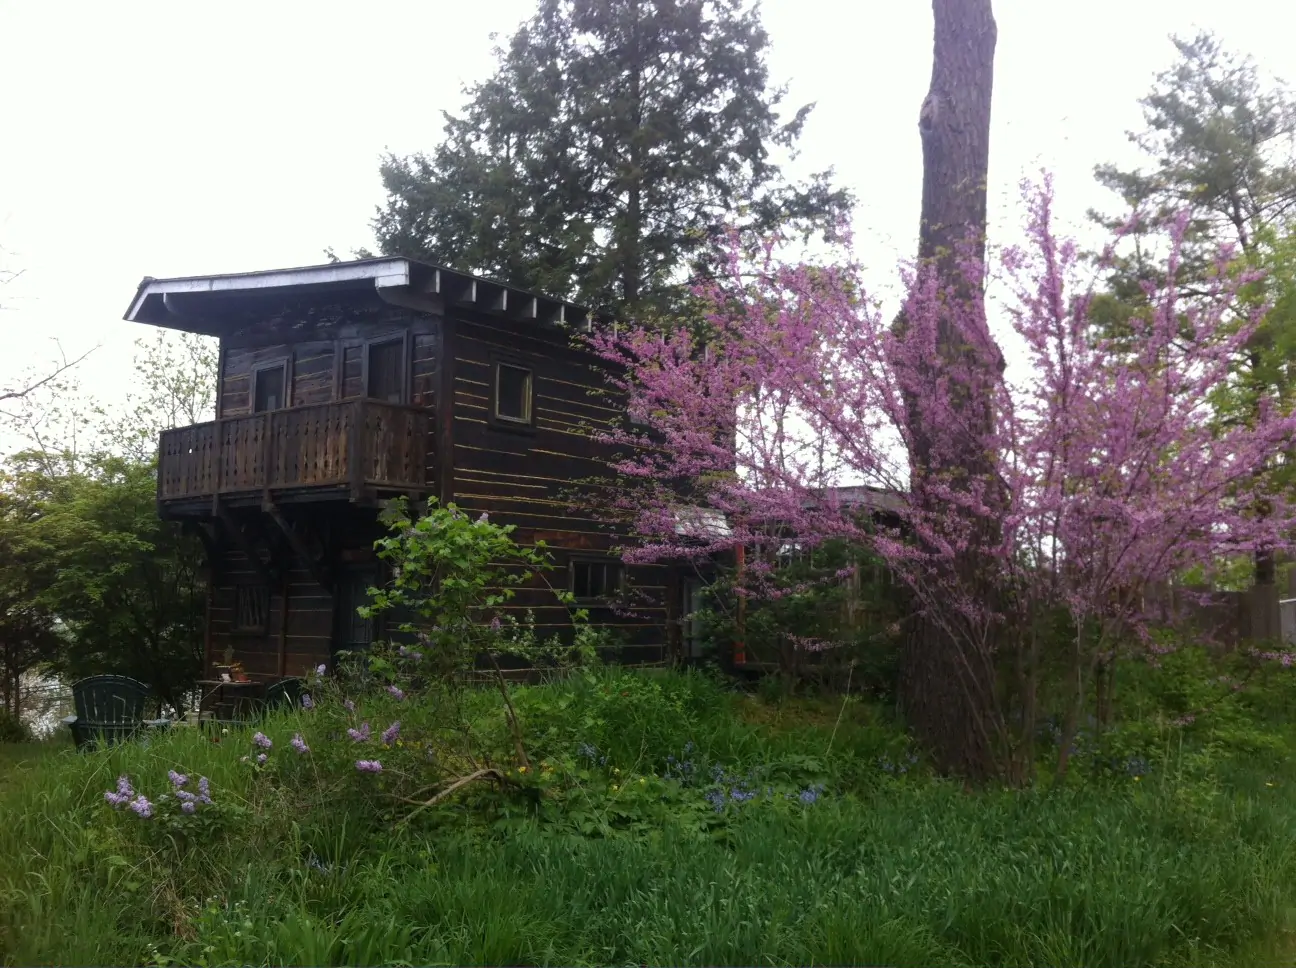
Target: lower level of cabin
{"x":285,"y":586}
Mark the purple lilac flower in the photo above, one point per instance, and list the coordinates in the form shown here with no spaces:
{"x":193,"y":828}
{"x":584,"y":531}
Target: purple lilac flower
{"x":299,"y":744}
{"x":320,"y":669}
{"x":306,"y":701}
{"x":188,"y":806}
{"x":142,"y":807}
{"x":116,"y":799}
{"x":261,"y":757}
{"x":204,"y":794}
{"x":359,"y":735}
{"x":390,"y":733}
{"x":177,"y":779}
{"x":395,"y":691}
{"x":124,"y":787}
{"x":184,"y":796}
{"x":483,"y":519}
{"x":262,"y":740}
{"x":350,"y":706}
{"x":369,"y":766}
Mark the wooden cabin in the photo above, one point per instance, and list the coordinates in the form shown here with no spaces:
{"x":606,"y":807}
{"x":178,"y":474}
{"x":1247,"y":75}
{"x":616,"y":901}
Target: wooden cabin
{"x":341,"y":386}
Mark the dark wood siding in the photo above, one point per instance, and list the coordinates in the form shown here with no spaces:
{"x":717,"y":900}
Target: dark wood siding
{"x":535,"y":477}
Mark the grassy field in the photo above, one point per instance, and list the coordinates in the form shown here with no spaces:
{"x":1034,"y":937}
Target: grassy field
{"x":665,"y":820}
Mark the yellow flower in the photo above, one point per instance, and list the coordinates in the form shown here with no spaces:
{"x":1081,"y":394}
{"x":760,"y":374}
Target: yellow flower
{"x":643,"y":779}
{"x":614,"y":786}
{"x":1137,"y":778}
{"x":615,"y":771}
{"x":521,"y":769}
{"x":400,"y":742}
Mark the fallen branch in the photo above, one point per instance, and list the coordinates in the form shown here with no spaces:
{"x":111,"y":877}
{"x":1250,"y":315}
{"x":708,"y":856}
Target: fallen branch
{"x":490,"y":773}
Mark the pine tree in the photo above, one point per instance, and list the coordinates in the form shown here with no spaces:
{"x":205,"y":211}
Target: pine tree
{"x":613,"y":142}
{"x":1222,"y":142}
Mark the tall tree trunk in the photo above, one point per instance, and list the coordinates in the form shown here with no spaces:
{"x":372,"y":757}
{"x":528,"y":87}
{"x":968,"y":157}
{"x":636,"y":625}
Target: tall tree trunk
{"x":948,"y":682}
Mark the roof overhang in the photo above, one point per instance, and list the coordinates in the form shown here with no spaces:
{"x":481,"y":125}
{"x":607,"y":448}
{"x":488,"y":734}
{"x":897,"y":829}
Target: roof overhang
{"x":199,"y":303}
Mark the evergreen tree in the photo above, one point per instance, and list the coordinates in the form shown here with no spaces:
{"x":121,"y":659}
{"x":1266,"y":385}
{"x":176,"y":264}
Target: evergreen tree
{"x":1221,"y":143}
{"x":615,"y":139}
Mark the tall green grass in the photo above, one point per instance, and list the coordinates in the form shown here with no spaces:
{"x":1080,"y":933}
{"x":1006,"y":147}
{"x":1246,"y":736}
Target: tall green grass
{"x":883,"y":869}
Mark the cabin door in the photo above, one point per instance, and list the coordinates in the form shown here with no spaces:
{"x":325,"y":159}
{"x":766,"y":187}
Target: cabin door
{"x":354,"y":632}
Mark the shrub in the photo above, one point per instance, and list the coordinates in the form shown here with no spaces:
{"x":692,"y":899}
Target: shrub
{"x":12,"y":728}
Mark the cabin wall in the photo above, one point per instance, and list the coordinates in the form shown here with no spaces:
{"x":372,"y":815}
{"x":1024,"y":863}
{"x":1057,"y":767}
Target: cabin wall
{"x":325,"y":347}
{"x":528,"y":478}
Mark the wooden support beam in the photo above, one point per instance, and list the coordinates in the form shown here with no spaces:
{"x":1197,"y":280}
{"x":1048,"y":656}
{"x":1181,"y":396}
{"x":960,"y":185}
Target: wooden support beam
{"x":244,"y":545}
{"x":319,"y":571}
{"x":208,"y":540}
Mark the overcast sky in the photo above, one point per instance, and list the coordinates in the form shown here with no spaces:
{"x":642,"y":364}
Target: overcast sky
{"x":190,"y":138}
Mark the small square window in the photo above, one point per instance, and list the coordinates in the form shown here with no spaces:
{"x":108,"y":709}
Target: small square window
{"x":595,"y":579}
{"x":251,"y":608}
{"x":512,"y":393}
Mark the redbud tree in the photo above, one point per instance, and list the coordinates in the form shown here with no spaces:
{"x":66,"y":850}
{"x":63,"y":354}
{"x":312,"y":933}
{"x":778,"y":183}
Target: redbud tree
{"x":1099,"y":468}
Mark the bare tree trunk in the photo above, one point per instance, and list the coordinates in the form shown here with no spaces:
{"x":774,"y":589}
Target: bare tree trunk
{"x":948,"y":683}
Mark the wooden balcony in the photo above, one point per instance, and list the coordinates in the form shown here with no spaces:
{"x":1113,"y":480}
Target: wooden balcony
{"x":352,"y":449}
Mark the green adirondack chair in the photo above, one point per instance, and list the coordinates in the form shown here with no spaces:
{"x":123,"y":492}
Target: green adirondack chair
{"x":110,"y":707}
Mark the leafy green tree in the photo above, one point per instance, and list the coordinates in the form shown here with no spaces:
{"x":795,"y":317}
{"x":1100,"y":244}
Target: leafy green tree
{"x":29,"y":638}
{"x":125,"y":590}
{"x":614,"y":140}
{"x":128,"y":587}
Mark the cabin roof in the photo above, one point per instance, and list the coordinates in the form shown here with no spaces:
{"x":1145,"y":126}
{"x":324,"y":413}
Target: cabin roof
{"x":195,"y":303}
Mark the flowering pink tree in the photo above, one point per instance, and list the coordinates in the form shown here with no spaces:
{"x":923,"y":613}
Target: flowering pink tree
{"x":1097,"y":472}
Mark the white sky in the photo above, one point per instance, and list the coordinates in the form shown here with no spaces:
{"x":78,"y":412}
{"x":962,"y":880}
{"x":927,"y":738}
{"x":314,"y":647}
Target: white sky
{"x":141,"y":138}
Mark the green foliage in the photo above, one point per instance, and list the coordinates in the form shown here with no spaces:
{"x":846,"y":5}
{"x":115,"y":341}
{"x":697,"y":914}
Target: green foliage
{"x":836,"y":617}
{"x":127,"y":587}
{"x":12,"y":728}
{"x":453,"y":578}
{"x":627,"y":860}
{"x":611,"y":144}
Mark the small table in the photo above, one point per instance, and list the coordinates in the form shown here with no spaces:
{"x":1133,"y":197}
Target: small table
{"x":243,"y":695}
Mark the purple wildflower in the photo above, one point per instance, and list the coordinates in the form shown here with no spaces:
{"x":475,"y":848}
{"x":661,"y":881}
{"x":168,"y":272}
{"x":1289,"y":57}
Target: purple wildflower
{"x":142,"y":807}
{"x":395,"y":691}
{"x":177,"y":779}
{"x":495,"y":624}
{"x":390,"y":733}
{"x":204,"y":794}
{"x":124,"y":787}
{"x":262,"y":740}
{"x":483,"y":519}
{"x":188,"y":806}
{"x":306,"y":701}
{"x":350,"y":706}
{"x":359,"y":735}
{"x":184,"y":796}
{"x":116,"y":799}
{"x":261,"y":757}
{"x":299,"y":744}
{"x":369,"y":766}
{"x":320,"y":669}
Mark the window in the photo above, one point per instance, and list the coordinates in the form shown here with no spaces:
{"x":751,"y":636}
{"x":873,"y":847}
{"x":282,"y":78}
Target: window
{"x":512,"y":393}
{"x":251,"y":608}
{"x":595,"y":579}
{"x":268,"y":388}
{"x":386,"y":371}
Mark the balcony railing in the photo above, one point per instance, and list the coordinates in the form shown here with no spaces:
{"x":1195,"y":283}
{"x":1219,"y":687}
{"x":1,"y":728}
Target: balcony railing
{"x":362,"y":445}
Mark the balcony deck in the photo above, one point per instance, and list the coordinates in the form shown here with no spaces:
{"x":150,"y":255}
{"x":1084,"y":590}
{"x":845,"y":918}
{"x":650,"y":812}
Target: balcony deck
{"x":343,"y":450}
